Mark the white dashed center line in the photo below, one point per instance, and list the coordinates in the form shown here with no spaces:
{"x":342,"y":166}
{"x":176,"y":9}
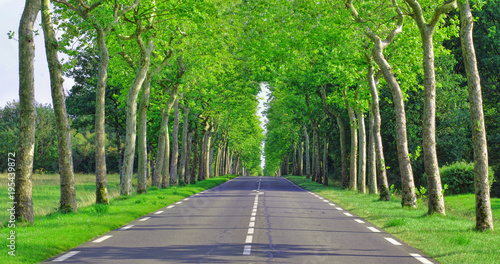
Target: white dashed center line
{"x":99,"y":240}
{"x":66,"y":256}
{"x":420,"y":258}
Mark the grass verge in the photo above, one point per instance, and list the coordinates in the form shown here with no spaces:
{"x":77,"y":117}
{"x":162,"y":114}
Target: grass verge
{"x":55,"y":233}
{"x":448,"y":239}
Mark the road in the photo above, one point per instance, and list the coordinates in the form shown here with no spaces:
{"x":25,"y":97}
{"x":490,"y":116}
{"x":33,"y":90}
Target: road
{"x":248,"y":220}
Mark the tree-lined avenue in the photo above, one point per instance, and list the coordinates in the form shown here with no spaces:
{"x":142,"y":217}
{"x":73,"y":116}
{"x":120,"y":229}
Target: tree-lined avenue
{"x":291,"y":226}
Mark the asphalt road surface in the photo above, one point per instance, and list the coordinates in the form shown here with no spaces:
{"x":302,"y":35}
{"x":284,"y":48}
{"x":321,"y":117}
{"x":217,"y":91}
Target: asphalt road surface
{"x":247,"y":220}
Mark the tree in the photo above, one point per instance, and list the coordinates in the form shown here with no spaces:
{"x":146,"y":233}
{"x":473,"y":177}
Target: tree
{"x":68,"y":193}
{"x":484,"y":220}
{"x":26,"y":146}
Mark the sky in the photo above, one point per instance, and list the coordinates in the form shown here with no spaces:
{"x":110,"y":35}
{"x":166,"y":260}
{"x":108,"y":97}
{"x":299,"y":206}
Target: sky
{"x":10,"y":15}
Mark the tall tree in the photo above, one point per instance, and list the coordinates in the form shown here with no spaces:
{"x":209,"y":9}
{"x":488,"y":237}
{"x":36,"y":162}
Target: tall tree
{"x":26,"y":147}
{"x":484,"y":220}
{"x":68,"y":193}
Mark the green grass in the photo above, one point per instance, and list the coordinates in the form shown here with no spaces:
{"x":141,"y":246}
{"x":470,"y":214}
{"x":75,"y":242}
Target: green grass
{"x":449,"y":239}
{"x":55,"y":233}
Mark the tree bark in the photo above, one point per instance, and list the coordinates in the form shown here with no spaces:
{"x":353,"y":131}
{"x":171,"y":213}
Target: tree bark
{"x":372,"y":161}
{"x":317,"y":158}
{"x":308,"y":160}
{"x":142,"y":144}
{"x":484,"y":220}
{"x":362,"y":151}
{"x":175,"y":144}
{"x":383,"y":185}
{"x":162,"y":141}
{"x":188,"y":157}
{"x":408,"y":197}
{"x":100,"y":133}
{"x":434,"y":188}
{"x":23,"y":196}
{"x":165,"y":175}
{"x":196,"y":153}
{"x":68,"y":193}
{"x":354,"y":149}
{"x":301,"y":159}
{"x":185,"y":128}
{"x":325,"y":162}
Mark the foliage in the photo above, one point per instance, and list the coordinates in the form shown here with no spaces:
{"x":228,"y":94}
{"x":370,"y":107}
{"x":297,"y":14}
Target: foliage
{"x":459,"y":177}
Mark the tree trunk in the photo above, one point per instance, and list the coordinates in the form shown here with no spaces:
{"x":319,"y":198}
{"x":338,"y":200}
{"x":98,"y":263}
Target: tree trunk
{"x":308,"y":160}
{"x":100,"y":133}
{"x":317,"y":158}
{"x":196,"y":154}
{"x":188,"y":158}
{"x":68,"y":193}
{"x":162,"y":141}
{"x":131,"y":128}
{"x":165,"y":175}
{"x":142,"y":144}
{"x":354,"y":149}
{"x":175,"y":144}
{"x":381,"y":173}
{"x":372,"y":161}
{"x":325,"y":162}
{"x":23,"y":197}
{"x":408,"y":197}
{"x":182,"y":173}
{"x":301,"y":159}
{"x":362,"y":152}
{"x":484,"y":220}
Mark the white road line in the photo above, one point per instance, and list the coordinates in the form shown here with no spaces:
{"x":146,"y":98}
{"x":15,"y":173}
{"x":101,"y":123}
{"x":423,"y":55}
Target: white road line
{"x":348,"y":214}
{"x":179,"y":202}
{"x":326,"y":201}
{"x":392,"y":241}
{"x":247,"y":249}
{"x":251,"y":230}
{"x":126,"y":227}
{"x":99,"y":240}
{"x":254,"y":210}
{"x":145,"y":219}
{"x":249,"y":239}
{"x":170,"y":206}
{"x":332,"y":204}
{"x":254,"y":213}
{"x":359,"y":221}
{"x":420,"y":258}
{"x":252,"y":219}
{"x":373,"y":229}
{"x":252,"y":224}
{"x":66,"y":256}
{"x":186,"y":199}
{"x":338,"y":208}
{"x":159,"y":212}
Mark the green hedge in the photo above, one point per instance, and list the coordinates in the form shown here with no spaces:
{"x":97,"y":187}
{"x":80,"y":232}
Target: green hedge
{"x":459,"y":177}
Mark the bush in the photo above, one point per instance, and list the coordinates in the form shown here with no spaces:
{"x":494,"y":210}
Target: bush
{"x":459,"y":177}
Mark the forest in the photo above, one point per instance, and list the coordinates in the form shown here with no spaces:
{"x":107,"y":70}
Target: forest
{"x":375,"y":96}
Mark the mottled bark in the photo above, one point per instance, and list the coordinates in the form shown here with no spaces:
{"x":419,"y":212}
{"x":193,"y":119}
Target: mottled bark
{"x":165,"y":175}
{"x":408,"y":197}
{"x":317,"y":157}
{"x":188,"y":157}
{"x":100,"y":133}
{"x":362,"y":151}
{"x":372,"y":161}
{"x":142,"y":150}
{"x":182,"y":172}
{"x":484,"y":220}
{"x":196,"y":154}
{"x":354,"y":149}
{"x":68,"y":193}
{"x":383,"y":185}
{"x":175,"y":144}
{"x":434,"y":189}
{"x":26,"y":145}
{"x":162,"y":141}
{"x":308,"y":160}
{"x":301,"y":159}
{"x":325,"y":162}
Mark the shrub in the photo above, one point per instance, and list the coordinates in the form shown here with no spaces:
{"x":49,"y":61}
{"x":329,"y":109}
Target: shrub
{"x":459,"y":177}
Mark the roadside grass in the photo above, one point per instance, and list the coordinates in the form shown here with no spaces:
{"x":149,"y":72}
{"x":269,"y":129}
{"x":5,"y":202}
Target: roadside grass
{"x":55,"y":232}
{"x":448,"y":239}
{"x":46,"y":192}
